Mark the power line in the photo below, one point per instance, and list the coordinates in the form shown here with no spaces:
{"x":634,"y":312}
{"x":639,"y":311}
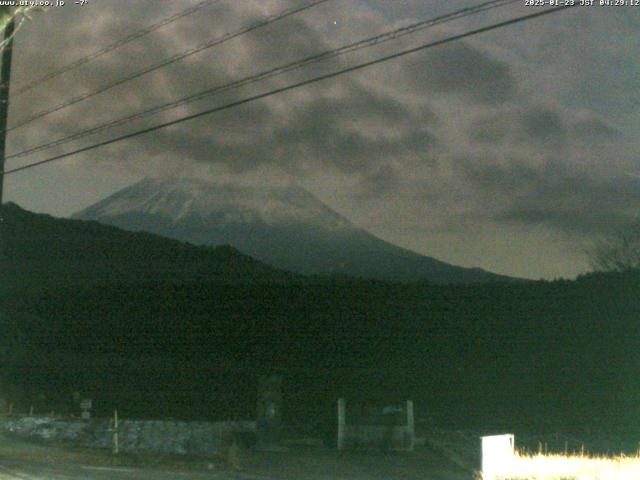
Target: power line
{"x":123,"y":41}
{"x":168,"y":61}
{"x":326,"y":55}
{"x":293,"y":86}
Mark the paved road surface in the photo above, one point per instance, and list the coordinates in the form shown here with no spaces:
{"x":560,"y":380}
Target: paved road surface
{"x":29,"y":470}
{"x":21,"y":460}
{"x":21,"y":470}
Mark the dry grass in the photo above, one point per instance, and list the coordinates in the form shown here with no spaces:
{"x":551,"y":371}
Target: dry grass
{"x":524,"y":466}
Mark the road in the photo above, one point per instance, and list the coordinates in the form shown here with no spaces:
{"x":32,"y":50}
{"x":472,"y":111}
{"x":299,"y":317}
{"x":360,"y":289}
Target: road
{"x":21,"y":470}
{"x":25,"y":460}
{"x":33,"y":470}
{"x":22,"y":460}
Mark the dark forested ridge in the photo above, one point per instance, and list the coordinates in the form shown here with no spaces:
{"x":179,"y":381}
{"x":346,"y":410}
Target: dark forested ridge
{"x":40,"y":251}
{"x":556,"y":354}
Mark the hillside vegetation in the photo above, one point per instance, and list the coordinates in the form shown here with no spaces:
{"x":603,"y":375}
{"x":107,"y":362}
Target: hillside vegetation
{"x":539,"y":355}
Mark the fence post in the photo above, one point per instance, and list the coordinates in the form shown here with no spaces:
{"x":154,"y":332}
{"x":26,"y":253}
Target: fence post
{"x":342,"y":410}
{"x":410,"y":425}
{"x":116,"y":447}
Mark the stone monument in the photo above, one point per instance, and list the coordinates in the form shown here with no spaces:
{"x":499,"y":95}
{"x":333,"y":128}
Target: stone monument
{"x":269,"y":413}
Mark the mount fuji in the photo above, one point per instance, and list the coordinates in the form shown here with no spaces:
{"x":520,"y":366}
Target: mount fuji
{"x":285,"y":226}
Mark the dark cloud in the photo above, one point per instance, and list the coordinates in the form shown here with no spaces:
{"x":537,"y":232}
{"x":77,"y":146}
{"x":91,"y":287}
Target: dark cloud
{"x":464,"y":70}
{"x":543,"y":127}
{"x":568,"y":219}
{"x":514,"y":176}
{"x":275,"y":44}
{"x":542,"y":124}
{"x":354,"y":132}
{"x":595,"y":129}
{"x":379,"y":183}
{"x":491,"y":128}
{"x":557,"y":195}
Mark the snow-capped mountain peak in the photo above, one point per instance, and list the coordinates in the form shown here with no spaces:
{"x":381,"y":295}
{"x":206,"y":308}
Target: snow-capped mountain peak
{"x":282,"y":225}
{"x":180,"y":198}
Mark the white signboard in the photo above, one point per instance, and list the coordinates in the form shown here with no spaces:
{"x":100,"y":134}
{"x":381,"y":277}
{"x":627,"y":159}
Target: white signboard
{"x":497,"y":455}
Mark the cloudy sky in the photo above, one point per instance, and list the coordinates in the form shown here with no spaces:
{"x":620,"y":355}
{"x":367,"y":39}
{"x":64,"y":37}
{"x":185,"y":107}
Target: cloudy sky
{"x":510,"y":150}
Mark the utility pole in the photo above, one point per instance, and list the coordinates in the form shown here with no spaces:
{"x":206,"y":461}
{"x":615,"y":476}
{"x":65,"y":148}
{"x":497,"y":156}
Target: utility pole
{"x":5,"y":76}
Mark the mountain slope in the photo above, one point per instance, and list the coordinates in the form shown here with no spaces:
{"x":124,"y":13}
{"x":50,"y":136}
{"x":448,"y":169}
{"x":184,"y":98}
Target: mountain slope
{"x":284,"y":226}
{"x":40,"y":251}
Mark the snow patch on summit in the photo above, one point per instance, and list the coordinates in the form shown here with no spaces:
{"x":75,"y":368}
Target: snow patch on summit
{"x":178,"y":199}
